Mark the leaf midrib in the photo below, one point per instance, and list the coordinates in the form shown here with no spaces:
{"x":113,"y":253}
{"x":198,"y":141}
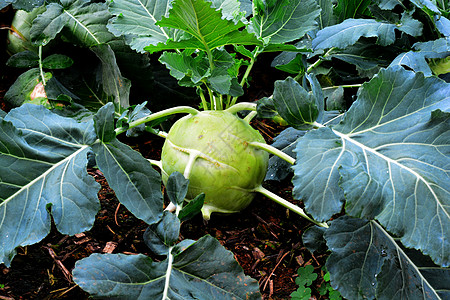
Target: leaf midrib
{"x":60,"y":141}
{"x":82,"y":25}
{"x":392,"y":161}
{"x":400,"y":253}
{"x":153,"y":17}
{"x":42,"y":176}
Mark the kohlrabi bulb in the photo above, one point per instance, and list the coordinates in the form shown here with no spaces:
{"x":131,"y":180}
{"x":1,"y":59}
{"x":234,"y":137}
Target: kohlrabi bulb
{"x":227,"y":169}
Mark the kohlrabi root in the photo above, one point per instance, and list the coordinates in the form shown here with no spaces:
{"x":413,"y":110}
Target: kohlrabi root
{"x":212,"y":149}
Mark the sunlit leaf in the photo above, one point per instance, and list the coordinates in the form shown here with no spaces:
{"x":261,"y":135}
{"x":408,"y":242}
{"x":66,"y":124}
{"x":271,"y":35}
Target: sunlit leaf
{"x":136,"y":20}
{"x":284,"y":21}
{"x":206,"y":26}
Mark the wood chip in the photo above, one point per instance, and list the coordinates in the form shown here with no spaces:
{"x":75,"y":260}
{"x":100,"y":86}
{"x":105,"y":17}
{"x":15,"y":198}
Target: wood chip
{"x":80,"y":235}
{"x":110,"y":247}
{"x":257,"y":253}
{"x":300,"y":260}
{"x":85,"y":240}
{"x":130,"y":253}
{"x":270,"y":288}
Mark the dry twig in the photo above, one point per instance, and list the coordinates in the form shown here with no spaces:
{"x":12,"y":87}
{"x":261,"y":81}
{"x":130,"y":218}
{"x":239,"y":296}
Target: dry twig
{"x":273,"y":271}
{"x":60,"y":265}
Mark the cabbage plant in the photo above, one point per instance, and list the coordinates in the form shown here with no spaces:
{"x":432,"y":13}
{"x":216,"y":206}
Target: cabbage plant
{"x":373,"y":178}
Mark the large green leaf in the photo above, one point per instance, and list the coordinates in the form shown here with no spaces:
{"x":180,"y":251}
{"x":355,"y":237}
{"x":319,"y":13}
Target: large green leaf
{"x":295,"y":104}
{"x":85,"y":23}
{"x":205,"y":25}
{"x":443,"y":25}
{"x":193,"y":71}
{"x":366,"y":57}
{"x":230,"y":9}
{"x":284,"y":21}
{"x":113,"y":83}
{"x":389,"y":157}
{"x":43,"y":161}
{"x":204,"y":270}
{"x":286,"y":141}
{"x":426,"y":4}
{"x":184,"y":67}
{"x":24,"y":86}
{"x":326,"y":17}
{"x":368,"y":263}
{"x":388,"y":4}
{"x":104,"y":123}
{"x":416,"y":60}
{"x":439,"y":48}
{"x":136,"y":184}
{"x":136,"y":20}
{"x":177,"y":187}
{"x":351,"y":30}
{"x":21,"y":4}
{"x":160,"y":236}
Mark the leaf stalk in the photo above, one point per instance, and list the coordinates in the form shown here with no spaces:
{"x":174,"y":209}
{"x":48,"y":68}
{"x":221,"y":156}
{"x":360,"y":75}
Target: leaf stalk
{"x":241,"y":106}
{"x":288,"y":205}
{"x":160,"y":114}
{"x":41,"y":67}
{"x":257,"y":51}
{"x":274,"y":151}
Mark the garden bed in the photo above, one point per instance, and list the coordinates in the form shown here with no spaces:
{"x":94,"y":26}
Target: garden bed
{"x":351,"y":105}
{"x":265,"y":238}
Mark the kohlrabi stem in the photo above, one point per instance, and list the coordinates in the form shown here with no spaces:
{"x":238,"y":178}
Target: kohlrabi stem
{"x":247,"y":71}
{"x":220,"y":97}
{"x":274,"y":151}
{"x":157,"y":163}
{"x":210,"y":56}
{"x":212,"y":99}
{"x":248,"y":118}
{"x":343,"y":86}
{"x":162,"y":134}
{"x":288,"y":205}
{"x":160,"y":114}
{"x":320,"y":60}
{"x":41,"y":70}
{"x":241,"y":106}
{"x":318,"y":125}
{"x":202,"y":96}
{"x":256,"y":52}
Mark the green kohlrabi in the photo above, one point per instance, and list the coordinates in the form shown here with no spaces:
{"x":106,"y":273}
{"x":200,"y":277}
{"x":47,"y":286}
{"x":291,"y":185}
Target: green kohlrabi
{"x":214,"y":150}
